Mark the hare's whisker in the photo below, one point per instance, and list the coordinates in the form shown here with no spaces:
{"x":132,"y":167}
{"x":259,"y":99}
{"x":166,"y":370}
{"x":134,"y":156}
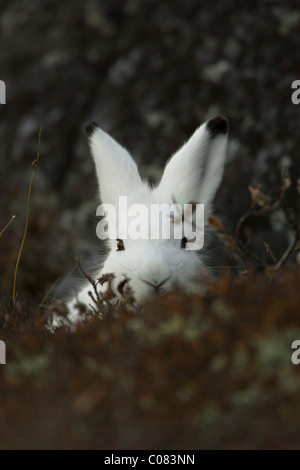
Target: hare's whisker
{"x":126,"y":267}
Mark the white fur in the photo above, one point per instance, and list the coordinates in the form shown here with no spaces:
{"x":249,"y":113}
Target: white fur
{"x":193,"y":174}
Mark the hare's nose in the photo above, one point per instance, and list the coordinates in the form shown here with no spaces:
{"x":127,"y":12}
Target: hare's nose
{"x":157,"y":286}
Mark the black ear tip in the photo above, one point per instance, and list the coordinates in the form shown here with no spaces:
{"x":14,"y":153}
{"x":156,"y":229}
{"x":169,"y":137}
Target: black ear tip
{"x":217,"y":125}
{"x":91,"y":128}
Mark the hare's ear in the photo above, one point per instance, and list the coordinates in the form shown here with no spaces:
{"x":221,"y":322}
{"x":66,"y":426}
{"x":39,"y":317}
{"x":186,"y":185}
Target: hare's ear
{"x":116,"y":171}
{"x":194,"y":173}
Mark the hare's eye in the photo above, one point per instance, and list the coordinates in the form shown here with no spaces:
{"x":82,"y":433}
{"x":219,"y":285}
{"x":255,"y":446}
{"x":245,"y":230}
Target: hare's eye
{"x":120,"y":245}
{"x":183,"y":242}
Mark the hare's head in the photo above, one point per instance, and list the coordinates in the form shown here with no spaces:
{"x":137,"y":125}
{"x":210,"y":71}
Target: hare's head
{"x":153,"y":263}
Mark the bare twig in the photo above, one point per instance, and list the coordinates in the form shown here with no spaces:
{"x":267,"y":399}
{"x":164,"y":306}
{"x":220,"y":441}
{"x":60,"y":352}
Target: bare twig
{"x":91,"y":281}
{"x":7,"y":225}
{"x":264,"y":201}
{"x":268,"y":250}
{"x":256,"y":213}
{"x":261,"y":206}
{"x":286,"y":182}
{"x":34,"y":165}
{"x":48,"y":292}
{"x":287,"y":253}
{"x":243,"y":250}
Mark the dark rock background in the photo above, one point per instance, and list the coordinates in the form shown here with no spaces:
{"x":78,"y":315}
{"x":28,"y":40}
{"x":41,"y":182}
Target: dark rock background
{"x":148,"y":72}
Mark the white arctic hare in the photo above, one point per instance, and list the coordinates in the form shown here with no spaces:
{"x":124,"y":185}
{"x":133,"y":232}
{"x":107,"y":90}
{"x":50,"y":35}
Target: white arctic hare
{"x":193,"y":174}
